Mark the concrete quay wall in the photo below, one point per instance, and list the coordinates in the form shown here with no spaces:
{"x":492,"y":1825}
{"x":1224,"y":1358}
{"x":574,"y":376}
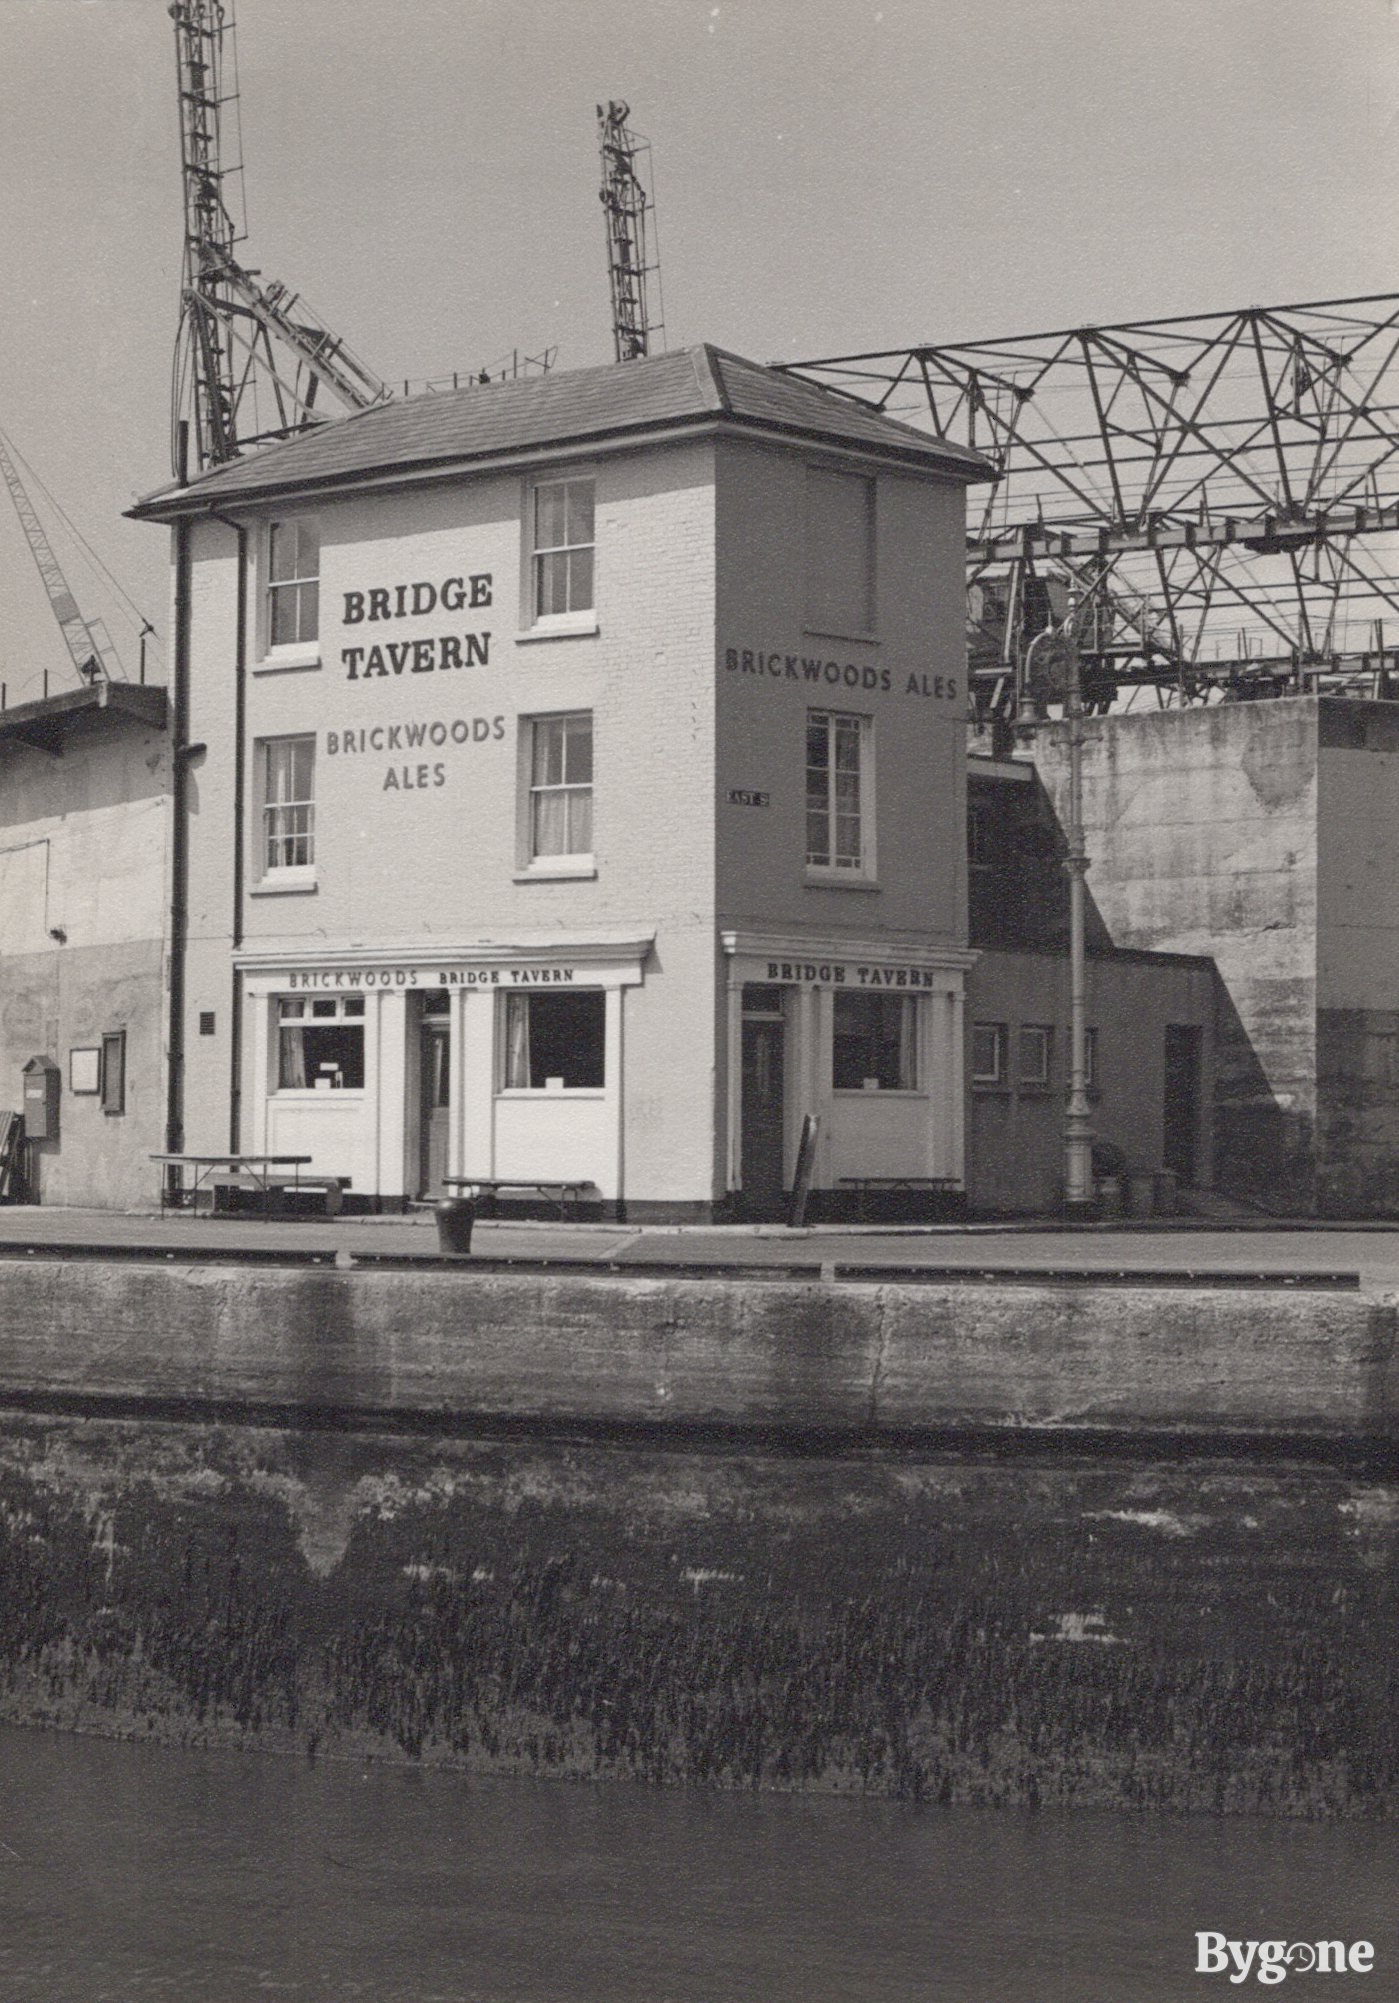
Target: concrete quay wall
{"x":726,"y":1534}
{"x":439,"y":1347}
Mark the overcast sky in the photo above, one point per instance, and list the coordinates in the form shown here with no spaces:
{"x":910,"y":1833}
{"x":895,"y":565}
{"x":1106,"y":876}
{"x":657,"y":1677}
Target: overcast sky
{"x":830,"y":175}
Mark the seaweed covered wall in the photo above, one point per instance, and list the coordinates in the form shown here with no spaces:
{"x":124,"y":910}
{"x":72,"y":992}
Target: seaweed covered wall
{"x":1195,"y":1635}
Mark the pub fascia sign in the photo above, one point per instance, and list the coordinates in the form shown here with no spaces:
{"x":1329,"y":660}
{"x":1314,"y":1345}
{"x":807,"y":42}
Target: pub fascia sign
{"x":301,"y":980}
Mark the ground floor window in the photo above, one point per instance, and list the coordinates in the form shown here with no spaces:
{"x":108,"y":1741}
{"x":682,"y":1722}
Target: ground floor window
{"x":554,"y":1041}
{"x":1036,"y":1053}
{"x":320,"y":1043}
{"x":875,"y":1043}
{"x":988,"y":1053}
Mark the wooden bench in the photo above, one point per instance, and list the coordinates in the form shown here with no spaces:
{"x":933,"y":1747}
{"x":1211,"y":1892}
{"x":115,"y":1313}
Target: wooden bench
{"x":225,"y":1190}
{"x":863,"y":1184}
{"x":563,"y":1192}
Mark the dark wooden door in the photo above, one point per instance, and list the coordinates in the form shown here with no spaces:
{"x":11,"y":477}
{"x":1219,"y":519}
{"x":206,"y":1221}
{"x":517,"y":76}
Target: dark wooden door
{"x":1181,"y":1121}
{"x":762,"y":1118}
{"x":436,"y":1075}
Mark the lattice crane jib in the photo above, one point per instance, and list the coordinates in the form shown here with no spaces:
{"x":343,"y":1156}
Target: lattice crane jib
{"x":629,"y":213}
{"x":1223,"y":489}
{"x":87,"y":641}
{"x":250,"y":360}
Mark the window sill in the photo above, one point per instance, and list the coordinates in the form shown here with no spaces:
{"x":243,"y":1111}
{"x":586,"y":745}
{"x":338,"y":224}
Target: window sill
{"x":558,"y":869}
{"x":829,"y":633}
{"x":288,"y":660}
{"x":838,"y":879}
{"x":307,"y":1095}
{"x":559,"y":626}
{"x":877,"y":1092}
{"x":543,"y":1092}
{"x":283,"y":883}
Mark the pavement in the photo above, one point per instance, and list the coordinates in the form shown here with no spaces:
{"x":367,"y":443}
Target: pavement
{"x":1177,"y":1250}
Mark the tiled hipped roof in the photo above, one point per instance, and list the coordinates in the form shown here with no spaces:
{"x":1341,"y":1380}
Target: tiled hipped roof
{"x":468,"y":428}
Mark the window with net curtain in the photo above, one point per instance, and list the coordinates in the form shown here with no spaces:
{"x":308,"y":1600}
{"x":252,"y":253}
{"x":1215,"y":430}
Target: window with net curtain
{"x":561,"y":786}
{"x":293,"y":583}
{"x":563,"y":547}
{"x":552,"y":1037}
{"x":835,"y":786}
{"x":875,"y":1043}
{"x":288,"y":802}
{"x":320,"y":1043}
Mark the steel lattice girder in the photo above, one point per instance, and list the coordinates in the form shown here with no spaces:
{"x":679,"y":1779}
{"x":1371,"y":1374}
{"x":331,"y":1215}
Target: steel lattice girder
{"x":1224,"y":487}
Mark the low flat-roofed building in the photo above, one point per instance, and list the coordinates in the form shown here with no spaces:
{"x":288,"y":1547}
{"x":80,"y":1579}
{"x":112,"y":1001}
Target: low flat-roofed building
{"x":560,"y":807}
{"x":84,"y":795}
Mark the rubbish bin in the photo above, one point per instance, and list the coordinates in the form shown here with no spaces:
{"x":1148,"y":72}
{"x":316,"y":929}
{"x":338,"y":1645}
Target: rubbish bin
{"x":1166,"y":1202}
{"x":455,"y":1217}
{"x":1110,"y":1195}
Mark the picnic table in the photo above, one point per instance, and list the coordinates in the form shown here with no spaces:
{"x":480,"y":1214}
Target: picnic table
{"x":263,"y":1174}
{"x":562,"y":1193}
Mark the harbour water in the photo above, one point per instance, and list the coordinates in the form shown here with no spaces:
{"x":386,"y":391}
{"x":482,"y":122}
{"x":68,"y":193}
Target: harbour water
{"x":131,"y":1873}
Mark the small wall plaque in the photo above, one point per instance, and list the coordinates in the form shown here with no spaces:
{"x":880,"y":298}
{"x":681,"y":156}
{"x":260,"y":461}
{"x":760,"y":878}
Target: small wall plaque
{"x":85,"y":1070}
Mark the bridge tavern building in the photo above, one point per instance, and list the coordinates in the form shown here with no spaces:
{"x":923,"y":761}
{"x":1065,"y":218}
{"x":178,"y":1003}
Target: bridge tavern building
{"x":570,"y":783}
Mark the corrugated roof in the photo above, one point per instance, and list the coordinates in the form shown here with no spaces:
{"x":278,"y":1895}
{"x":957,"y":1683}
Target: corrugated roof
{"x":460,"y":428}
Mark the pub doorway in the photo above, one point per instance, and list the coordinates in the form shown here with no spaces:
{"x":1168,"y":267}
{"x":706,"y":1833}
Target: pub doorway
{"x":435,"y":1091}
{"x":763,"y":1126}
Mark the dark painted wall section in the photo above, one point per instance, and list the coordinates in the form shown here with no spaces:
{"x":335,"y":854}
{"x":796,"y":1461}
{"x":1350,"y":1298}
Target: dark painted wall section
{"x":1198,"y":1636}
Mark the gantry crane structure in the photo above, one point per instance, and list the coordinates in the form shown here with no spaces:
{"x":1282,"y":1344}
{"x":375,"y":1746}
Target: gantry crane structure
{"x":1222,"y":489}
{"x":88,"y":642}
{"x":629,"y":212}
{"x":250,"y":361}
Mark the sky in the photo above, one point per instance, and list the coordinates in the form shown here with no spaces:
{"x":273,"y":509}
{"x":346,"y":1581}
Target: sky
{"x":830,"y":175}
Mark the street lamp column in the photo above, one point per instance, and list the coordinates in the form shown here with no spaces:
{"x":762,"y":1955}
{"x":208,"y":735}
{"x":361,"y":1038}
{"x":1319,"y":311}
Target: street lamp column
{"x":1078,"y":1132}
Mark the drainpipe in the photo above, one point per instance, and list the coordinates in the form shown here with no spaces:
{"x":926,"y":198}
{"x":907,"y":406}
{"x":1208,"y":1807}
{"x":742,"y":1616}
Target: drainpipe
{"x":179,"y":852}
{"x":240,"y":716}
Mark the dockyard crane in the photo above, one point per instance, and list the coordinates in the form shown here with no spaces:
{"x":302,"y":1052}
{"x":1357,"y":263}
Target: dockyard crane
{"x":250,"y":361}
{"x":87,"y":641}
{"x":632,"y":255}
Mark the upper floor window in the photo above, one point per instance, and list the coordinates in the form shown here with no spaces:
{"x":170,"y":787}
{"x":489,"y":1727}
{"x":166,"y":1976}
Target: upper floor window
{"x":293,"y":584}
{"x":838,"y":789}
{"x":288,"y":802}
{"x":561,"y":786}
{"x":562,"y":548}
{"x":839,"y":552}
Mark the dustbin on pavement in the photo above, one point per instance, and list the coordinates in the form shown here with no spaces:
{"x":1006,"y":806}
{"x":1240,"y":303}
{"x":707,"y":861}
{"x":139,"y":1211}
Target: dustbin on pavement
{"x":455,"y":1216}
{"x":1166,"y":1182}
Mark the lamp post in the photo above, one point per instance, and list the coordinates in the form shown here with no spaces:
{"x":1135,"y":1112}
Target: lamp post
{"x":1078,"y":1131}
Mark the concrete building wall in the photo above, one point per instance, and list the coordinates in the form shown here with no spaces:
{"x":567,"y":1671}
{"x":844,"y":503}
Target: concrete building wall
{"x":82,"y":908}
{"x":1201,"y":827}
{"x":1015,"y":1127}
{"x":1357,"y":1016}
